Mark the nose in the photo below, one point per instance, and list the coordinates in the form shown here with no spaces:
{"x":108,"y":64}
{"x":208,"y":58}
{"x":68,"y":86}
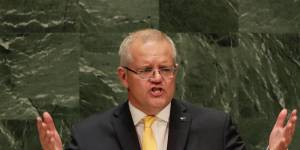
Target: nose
{"x":156,"y":77}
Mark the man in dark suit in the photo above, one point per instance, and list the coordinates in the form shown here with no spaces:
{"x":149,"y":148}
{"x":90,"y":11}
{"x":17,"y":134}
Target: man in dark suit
{"x":152,"y":119}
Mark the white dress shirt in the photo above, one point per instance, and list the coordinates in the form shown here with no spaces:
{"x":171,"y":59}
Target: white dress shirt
{"x":160,"y":127}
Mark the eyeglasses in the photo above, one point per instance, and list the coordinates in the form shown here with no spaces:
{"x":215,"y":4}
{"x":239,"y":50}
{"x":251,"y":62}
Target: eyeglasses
{"x":148,"y":72}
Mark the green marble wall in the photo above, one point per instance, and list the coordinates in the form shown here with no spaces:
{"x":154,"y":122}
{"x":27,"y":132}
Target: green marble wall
{"x":60,"y":56}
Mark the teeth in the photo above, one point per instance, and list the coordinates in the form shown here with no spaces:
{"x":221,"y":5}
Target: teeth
{"x":156,"y":89}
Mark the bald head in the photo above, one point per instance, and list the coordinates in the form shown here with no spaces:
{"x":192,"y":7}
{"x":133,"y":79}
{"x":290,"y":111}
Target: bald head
{"x":145,"y":35}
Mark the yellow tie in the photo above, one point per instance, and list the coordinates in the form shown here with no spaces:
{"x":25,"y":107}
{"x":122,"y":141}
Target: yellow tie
{"x":149,"y":142}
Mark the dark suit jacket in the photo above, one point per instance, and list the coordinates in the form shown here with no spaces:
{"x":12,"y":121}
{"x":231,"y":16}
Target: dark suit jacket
{"x":190,"y":128}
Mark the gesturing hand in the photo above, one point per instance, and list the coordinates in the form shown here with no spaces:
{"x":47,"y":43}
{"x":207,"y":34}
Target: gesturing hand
{"x":49,"y":137}
{"x":281,"y":135}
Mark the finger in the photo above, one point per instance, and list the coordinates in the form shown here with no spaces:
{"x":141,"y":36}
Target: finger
{"x":46,"y":134}
{"x":283,"y":144}
{"x":39,"y":124}
{"x":288,"y":133}
{"x":54,"y":144}
{"x":292,"y":121}
{"x":49,"y":121}
{"x":294,"y":114}
{"x":294,"y":111}
{"x":292,"y":126}
{"x":281,"y":118}
{"x":44,"y":138}
{"x":289,"y":129}
{"x":49,"y":144}
{"x":42,"y":132}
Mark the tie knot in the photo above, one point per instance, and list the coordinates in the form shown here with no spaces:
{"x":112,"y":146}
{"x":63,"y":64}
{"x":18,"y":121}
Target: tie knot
{"x":148,"y":121}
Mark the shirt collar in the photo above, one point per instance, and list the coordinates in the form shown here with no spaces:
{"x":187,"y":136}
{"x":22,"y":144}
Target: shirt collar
{"x":138,"y":115}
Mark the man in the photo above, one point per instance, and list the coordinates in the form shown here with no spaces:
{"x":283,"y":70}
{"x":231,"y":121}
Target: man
{"x":152,"y":119}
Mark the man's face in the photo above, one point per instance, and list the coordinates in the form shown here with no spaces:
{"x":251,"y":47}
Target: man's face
{"x":149,"y":95}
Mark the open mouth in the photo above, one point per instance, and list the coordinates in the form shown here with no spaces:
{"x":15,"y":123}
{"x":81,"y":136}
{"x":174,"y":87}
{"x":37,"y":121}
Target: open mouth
{"x":156,"y":91}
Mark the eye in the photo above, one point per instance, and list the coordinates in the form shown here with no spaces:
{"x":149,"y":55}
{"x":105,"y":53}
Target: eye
{"x":146,"y":70}
{"x":166,"y":69}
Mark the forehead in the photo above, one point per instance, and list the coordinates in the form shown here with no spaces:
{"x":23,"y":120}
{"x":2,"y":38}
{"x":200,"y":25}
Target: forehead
{"x":151,"y":51}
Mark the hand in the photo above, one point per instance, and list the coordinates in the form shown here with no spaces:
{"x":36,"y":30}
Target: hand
{"x":49,"y":137}
{"x":281,"y":134}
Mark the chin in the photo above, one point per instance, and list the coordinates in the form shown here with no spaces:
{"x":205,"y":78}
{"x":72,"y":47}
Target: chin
{"x":159,"y":102}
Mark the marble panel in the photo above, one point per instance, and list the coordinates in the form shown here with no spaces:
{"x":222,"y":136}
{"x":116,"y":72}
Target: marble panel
{"x":100,"y":88}
{"x":251,"y":80}
{"x":22,"y":134}
{"x":205,"y":16}
{"x":118,"y":15}
{"x":269,"y":16}
{"x":41,"y":73}
{"x":35,"y":16}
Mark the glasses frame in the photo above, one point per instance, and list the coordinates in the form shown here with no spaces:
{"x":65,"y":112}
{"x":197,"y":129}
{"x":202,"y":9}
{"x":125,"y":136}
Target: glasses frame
{"x":139,"y":74}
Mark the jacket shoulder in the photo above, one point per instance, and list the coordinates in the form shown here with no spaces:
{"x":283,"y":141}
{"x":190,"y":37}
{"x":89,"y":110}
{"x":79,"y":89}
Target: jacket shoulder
{"x":99,"y":123}
{"x":199,"y":110}
{"x":205,"y":115}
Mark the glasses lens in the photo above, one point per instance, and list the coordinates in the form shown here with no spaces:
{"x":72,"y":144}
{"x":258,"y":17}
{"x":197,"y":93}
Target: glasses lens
{"x":146,"y":73}
{"x":166,"y":72}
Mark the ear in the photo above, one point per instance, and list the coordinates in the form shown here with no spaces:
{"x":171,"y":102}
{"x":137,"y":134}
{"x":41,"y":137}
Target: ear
{"x":122,"y":76}
{"x":177,"y":68}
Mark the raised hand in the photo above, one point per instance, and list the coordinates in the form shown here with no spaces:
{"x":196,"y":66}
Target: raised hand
{"x":49,"y":137}
{"x":282,"y":134}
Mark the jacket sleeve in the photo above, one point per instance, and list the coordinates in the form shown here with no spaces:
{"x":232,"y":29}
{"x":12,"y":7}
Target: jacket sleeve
{"x":232,"y":139}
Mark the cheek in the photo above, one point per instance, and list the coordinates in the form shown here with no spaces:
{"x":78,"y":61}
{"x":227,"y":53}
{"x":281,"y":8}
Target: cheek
{"x":171,"y":88}
{"x":171,"y":83}
{"x":138,"y":86}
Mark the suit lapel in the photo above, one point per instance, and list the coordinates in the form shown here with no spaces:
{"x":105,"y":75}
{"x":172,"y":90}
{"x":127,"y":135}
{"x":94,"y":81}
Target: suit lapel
{"x":125,"y":128}
{"x":179,"y":126}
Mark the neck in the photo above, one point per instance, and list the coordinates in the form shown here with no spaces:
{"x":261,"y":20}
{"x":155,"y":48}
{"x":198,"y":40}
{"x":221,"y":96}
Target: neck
{"x":147,"y":111}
